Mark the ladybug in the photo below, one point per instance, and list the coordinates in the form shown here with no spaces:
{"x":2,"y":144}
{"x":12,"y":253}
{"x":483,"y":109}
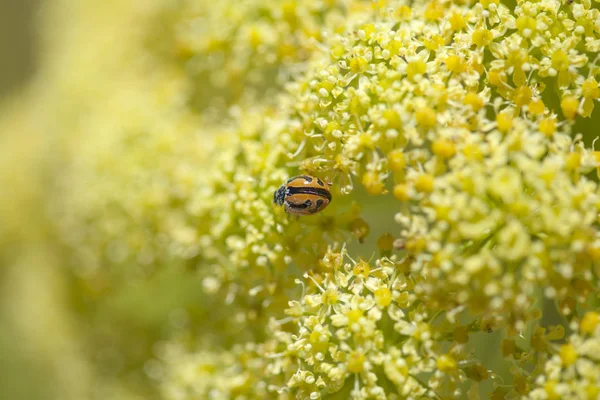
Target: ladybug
{"x":303,"y":195}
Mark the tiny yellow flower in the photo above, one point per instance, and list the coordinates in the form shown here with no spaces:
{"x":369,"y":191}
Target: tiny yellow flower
{"x":522,"y":96}
{"x":434,"y":11}
{"x":560,"y":60}
{"x":474,"y":101}
{"x":455,"y":64}
{"x":569,"y":106}
{"x":550,"y":388}
{"x":537,"y":107}
{"x":482,"y":37}
{"x":568,"y":354}
{"x":393,"y":119}
{"x":434,"y":42}
{"x":396,"y":161}
{"x":496,"y":77}
{"x":358,"y":64}
{"x":354,"y":316}
{"x":526,"y":23}
{"x":573,"y":161}
{"x":590,"y":89}
{"x":415,"y":68}
{"x":426,"y":117}
{"x":319,"y":341}
{"x":403,"y":12}
{"x":504,"y":122}
{"x":548,"y":126}
{"x":457,"y":22}
{"x":424,"y":183}
{"x":362,"y":268}
{"x":329,"y":297}
{"x":401,"y":192}
{"x":383,"y":297}
{"x":443,"y":148}
{"x":356,"y":362}
{"x":589,"y":322}
{"x":446,"y":363}
{"x":372,"y":183}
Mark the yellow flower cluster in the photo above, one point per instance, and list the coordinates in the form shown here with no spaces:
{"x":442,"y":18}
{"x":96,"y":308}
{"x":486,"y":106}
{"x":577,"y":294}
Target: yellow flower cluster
{"x":240,"y":51}
{"x":452,"y":125}
{"x":572,"y":370}
{"x":494,"y":200}
{"x":358,"y":330}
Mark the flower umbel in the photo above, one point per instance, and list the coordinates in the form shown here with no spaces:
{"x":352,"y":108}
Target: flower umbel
{"x":459,"y":257}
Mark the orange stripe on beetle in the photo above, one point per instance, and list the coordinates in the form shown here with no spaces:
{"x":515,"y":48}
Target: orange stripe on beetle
{"x":303,"y":195}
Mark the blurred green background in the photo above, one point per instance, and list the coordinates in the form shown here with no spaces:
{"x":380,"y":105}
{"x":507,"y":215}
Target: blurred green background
{"x":17,"y":43}
{"x":60,"y":339}
{"x":31,"y":317}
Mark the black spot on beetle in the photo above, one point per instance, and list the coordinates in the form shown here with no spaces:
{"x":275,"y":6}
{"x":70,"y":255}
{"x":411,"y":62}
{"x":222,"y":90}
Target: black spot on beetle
{"x":320,"y":182}
{"x":310,"y":190}
{"x":296,"y":206}
{"x":319,"y":203}
{"x":307,"y":178}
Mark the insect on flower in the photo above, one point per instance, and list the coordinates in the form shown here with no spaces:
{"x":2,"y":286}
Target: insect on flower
{"x":303,"y":195}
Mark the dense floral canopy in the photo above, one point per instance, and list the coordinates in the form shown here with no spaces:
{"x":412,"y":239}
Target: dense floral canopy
{"x":459,"y":258}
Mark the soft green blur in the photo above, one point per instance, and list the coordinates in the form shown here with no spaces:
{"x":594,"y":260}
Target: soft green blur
{"x":64,"y":337}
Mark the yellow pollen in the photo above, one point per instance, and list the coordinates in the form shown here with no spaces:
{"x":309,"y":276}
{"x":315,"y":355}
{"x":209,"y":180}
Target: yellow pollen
{"x":522,"y":96}
{"x":590,"y":89}
{"x":550,"y":388}
{"x":455,"y":64}
{"x":426,"y":117}
{"x":443,"y":148}
{"x":482,"y":37}
{"x":569,"y":106}
{"x":568,"y":354}
{"x":362,"y":268}
{"x":474,"y":101}
{"x":356,"y":362}
{"x":496,"y":78}
{"x":573,"y":161}
{"x":589,"y":322}
{"x":403,"y":13}
{"x":400,"y":192}
{"x":560,"y":60}
{"x":504,"y":121}
{"x":548,"y":126}
{"x":537,"y":107}
{"x":434,"y":11}
{"x":393,"y":119}
{"x":319,"y":342}
{"x":329,"y":297}
{"x":526,"y":22}
{"x":353,"y":316}
{"x":415,"y":68}
{"x":446,"y":364}
{"x":396,"y":161}
{"x":372,"y":183}
{"x":434,"y":42}
{"x":358,"y":65}
{"x":424,"y":183}
{"x":457,"y":22}
{"x":383,"y":297}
